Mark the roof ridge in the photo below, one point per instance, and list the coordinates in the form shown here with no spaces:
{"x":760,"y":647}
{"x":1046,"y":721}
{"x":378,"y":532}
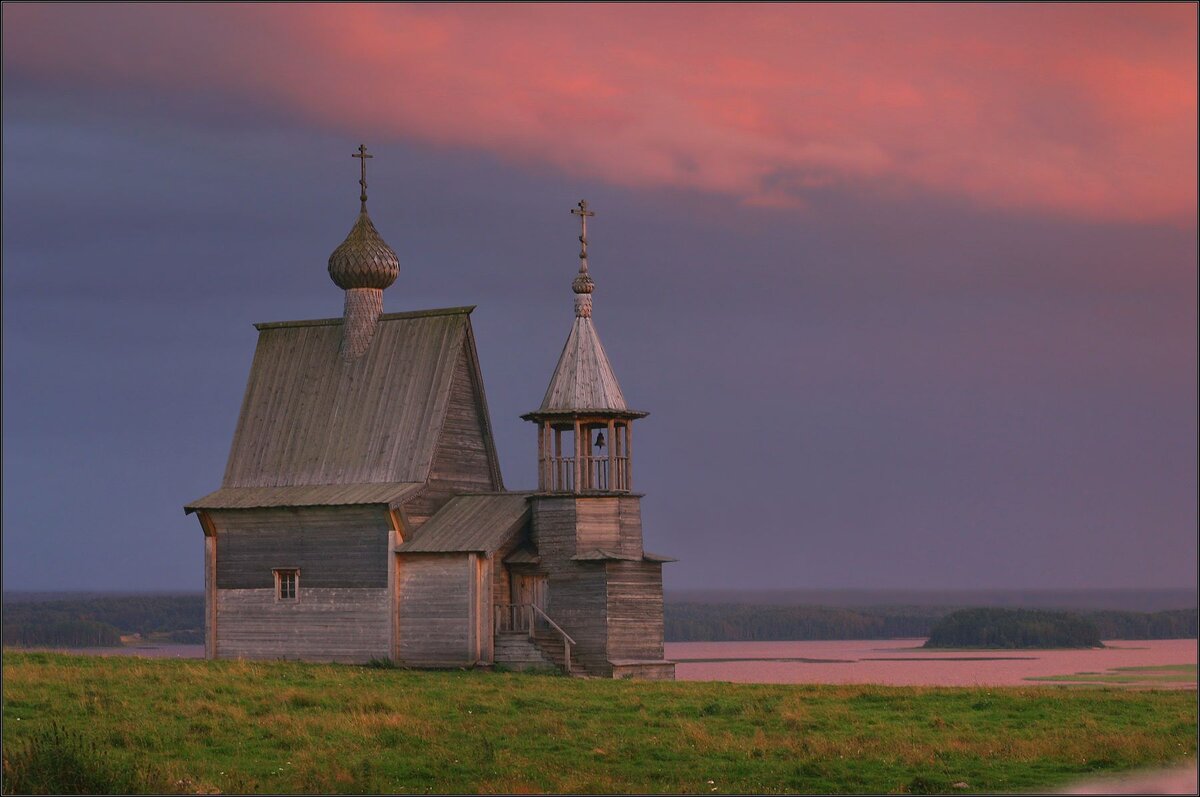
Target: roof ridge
{"x":322,"y":322}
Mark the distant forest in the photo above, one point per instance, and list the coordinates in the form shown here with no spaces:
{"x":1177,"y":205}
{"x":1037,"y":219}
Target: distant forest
{"x":100,"y":620}
{"x":1013,"y":628}
{"x":720,"y":622}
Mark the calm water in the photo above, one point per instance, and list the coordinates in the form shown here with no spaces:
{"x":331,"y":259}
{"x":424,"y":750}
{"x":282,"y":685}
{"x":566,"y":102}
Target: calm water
{"x":902,"y":662}
{"x":898,"y":662}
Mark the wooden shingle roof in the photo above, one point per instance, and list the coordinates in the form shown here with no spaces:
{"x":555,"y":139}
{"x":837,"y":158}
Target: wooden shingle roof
{"x":470,"y":523}
{"x":311,"y":418}
{"x":391,"y":493}
{"x":583,"y":379}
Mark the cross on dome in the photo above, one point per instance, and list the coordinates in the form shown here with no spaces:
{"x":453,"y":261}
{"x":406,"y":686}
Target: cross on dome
{"x":583,"y":284}
{"x":362,"y":156}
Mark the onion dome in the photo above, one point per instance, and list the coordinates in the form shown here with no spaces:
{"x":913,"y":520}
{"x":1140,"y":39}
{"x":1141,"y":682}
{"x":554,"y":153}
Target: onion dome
{"x":364,"y":260}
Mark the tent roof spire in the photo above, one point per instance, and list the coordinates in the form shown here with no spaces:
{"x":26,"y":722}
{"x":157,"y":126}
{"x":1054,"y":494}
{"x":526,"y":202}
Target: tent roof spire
{"x":584,"y":381}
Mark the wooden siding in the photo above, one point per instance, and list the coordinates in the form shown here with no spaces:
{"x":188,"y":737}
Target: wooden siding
{"x":210,"y":596}
{"x":332,"y":546}
{"x":436,"y":607}
{"x":309,"y":417}
{"x":465,"y":458}
{"x":322,"y":625}
{"x":635,"y":610}
{"x":644,"y":670}
{"x":631,"y":525}
{"x":576,"y":599}
{"x":597,"y":523}
{"x":576,"y":594}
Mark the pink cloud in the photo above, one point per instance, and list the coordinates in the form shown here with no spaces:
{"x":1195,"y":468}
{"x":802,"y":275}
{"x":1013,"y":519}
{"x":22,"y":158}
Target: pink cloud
{"x":1081,"y":110}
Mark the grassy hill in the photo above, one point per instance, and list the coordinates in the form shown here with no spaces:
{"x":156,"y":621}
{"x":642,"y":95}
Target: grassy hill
{"x":125,"y":724}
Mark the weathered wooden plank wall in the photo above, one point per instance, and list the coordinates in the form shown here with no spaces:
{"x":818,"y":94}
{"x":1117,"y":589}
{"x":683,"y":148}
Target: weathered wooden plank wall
{"x":630,"y":521}
{"x":576,"y":592}
{"x":436,"y":604}
{"x":333,"y":547}
{"x":324,"y":624}
{"x":635,"y":610}
{"x":461,"y":462}
{"x":598,"y":524}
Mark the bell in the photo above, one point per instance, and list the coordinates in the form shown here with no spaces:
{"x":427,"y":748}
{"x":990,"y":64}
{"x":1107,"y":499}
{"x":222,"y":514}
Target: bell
{"x":600,"y":440}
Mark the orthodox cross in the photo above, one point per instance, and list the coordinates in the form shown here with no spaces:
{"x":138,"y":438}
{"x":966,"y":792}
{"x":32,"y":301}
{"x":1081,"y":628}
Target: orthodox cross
{"x":362,"y":156}
{"x":582,"y":212}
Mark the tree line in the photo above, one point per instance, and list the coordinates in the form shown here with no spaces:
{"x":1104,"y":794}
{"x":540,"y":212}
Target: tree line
{"x":738,"y":622}
{"x":100,"y":621}
{"x":1013,"y":628}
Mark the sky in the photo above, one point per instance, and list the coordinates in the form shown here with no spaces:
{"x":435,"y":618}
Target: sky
{"x":908,"y":290}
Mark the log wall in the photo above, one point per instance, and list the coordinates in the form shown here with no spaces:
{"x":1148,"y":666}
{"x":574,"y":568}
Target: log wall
{"x":334,"y":547}
{"x":635,"y":610}
{"x":437,"y":604}
{"x":350,"y":625}
{"x":462,"y":462}
{"x":576,"y":593}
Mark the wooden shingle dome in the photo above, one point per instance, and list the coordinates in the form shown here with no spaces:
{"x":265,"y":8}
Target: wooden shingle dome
{"x":362,"y":265}
{"x":363,"y":260}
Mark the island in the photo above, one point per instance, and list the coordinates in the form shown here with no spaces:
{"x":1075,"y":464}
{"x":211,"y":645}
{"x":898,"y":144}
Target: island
{"x":1013,"y":628}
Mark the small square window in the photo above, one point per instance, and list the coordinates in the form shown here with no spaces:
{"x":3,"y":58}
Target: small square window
{"x":287,"y":584}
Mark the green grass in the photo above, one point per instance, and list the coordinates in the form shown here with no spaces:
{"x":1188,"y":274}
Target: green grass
{"x":146,"y":724}
{"x":1165,"y":675}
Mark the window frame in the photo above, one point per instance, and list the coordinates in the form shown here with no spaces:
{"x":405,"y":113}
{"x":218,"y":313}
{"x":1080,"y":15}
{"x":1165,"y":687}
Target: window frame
{"x":280,"y":573}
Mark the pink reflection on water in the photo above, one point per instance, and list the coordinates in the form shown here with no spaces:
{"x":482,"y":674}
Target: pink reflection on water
{"x":902,"y":662}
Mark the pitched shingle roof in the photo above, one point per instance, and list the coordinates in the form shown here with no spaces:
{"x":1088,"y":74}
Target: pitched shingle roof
{"x":470,"y":523}
{"x":584,"y":378}
{"x":311,"y":418}
{"x":391,"y":493}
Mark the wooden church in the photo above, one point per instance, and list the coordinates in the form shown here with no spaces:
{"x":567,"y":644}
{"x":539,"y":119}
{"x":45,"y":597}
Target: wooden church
{"x":362,"y":514}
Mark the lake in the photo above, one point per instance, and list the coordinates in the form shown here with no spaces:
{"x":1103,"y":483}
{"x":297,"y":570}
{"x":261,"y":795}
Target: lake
{"x":896,"y":662}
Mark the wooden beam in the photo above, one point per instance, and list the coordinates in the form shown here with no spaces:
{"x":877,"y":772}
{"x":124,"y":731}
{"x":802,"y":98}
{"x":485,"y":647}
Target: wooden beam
{"x":542,"y":456}
{"x":629,"y":454}
{"x":472,"y":608}
{"x":612,"y":442}
{"x":558,"y":464}
{"x":394,"y":539}
{"x":210,"y":597}
{"x":206,"y":523}
{"x":397,"y":520}
{"x":578,"y":447}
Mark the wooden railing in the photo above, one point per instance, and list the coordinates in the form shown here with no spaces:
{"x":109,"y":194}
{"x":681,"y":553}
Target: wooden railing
{"x":567,"y":641}
{"x":561,"y":472}
{"x":514,"y":617}
{"x":526,"y":617}
{"x":561,"y":476}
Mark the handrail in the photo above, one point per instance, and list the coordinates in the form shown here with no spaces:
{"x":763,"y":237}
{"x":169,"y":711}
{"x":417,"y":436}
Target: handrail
{"x":511,"y":616}
{"x":567,"y":641}
{"x":553,"y":624}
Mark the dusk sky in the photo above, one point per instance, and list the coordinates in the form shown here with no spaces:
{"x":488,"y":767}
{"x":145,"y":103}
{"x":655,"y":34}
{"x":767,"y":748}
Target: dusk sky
{"x":910,"y":292}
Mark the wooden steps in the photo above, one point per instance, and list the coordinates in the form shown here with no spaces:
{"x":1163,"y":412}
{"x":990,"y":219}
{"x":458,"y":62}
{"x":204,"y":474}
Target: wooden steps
{"x":545,"y":651}
{"x":514,"y":649}
{"x":551,"y":646}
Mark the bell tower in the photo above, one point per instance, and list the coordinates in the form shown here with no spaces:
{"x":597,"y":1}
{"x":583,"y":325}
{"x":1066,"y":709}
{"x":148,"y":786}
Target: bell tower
{"x":585,"y":428}
{"x":600,"y":584}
